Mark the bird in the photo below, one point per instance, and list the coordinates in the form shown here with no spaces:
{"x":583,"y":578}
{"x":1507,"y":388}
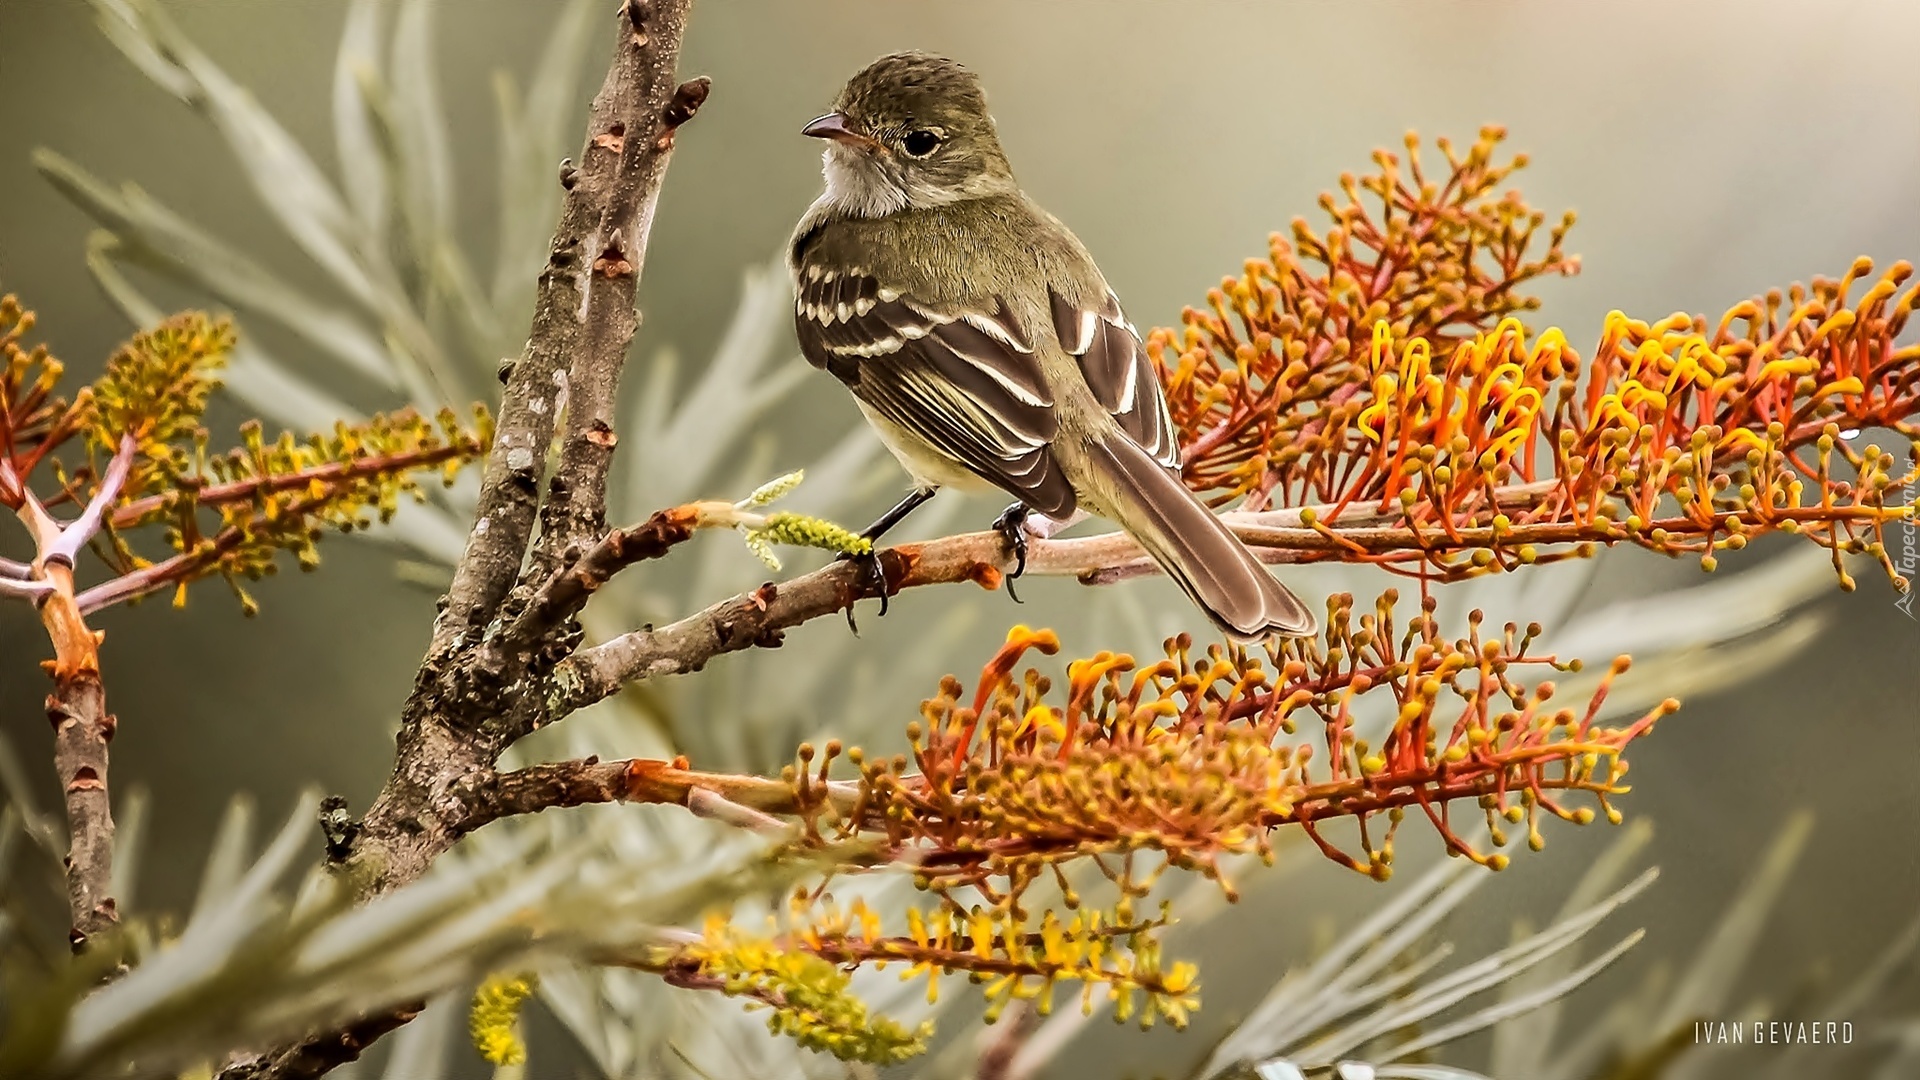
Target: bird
{"x":984,"y":346}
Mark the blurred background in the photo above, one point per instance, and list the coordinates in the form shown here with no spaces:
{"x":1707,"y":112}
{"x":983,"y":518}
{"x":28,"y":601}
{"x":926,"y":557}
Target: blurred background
{"x":1713,"y":149}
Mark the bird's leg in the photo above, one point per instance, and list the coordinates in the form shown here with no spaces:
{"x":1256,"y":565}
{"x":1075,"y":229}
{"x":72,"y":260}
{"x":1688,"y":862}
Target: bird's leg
{"x":898,"y":512}
{"x":871,"y":573}
{"x":1012,"y":527}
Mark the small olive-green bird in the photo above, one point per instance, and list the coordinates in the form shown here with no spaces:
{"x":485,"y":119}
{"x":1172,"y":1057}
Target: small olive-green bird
{"x":985,"y":347}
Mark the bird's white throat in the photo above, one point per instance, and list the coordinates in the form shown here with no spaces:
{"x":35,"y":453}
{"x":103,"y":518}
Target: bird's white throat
{"x":863,"y":186}
{"x":857,"y":186}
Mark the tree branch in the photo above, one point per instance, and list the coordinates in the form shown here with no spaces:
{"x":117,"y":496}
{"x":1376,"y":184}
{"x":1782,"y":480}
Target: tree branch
{"x":583,"y":322}
{"x":82,"y":728}
{"x":575,"y":513}
{"x":1364,"y":534}
{"x":77,"y":708}
{"x":602,"y":209}
{"x":757,"y":618}
{"x":454,"y":723}
{"x":184,"y":566}
{"x":134,"y":512}
{"x":644,"y":780}
{"x":569,"y":589}
{"x":318,"y":1056}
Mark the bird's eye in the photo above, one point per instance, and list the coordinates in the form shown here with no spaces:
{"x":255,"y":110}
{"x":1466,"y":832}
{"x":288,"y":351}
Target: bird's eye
{"x":920,"y":143}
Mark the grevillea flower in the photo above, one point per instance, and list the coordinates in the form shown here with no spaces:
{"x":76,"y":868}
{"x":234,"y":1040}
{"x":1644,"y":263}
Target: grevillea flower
{"x":1199,"y":756}
{"x":222,"y":513}
{"x":1135,"y":769}
{"x":1429,"y":432}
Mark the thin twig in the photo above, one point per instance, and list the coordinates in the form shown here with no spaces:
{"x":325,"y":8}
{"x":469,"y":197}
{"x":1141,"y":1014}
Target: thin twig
{"x":76,"y":535}
{"x":184,"y":566}
{"x":758,"y":618}
{"x":645,"y":780}
{"x":333,"y":472}
{"x":569,"y":589}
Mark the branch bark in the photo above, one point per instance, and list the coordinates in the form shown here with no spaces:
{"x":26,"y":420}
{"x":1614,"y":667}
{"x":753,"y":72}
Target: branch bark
{"x":453,"y":724}
{"x":759,"y":618}
{"x":582,"y":295}
{"x":77,"y":708}
{"x":82,"y":728}
{"x":575,"y":512}
{"x":452,"y":727}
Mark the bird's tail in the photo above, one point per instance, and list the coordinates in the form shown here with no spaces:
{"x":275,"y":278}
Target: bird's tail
{"x":1194,"y":547}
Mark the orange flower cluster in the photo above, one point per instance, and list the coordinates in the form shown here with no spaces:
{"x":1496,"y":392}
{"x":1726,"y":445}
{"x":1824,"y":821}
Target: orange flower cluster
{"x":1678,"y":442}
{"x":1441,"y":260}
{"x":1445,"y":448}
{"x":1194,"y":757}
{"x":33,"y":419}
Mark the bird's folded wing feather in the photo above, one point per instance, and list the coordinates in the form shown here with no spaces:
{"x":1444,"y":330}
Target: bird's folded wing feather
{"x":1118,"y":371}
{"x":962,"y":378}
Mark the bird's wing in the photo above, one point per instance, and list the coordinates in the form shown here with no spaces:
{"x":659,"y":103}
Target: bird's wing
{"x":1117,"y":370}
{"x":961,"y":377}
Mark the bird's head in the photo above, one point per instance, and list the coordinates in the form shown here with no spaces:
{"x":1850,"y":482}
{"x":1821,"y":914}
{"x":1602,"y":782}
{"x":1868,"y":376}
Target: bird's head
{"x":910,"y":131}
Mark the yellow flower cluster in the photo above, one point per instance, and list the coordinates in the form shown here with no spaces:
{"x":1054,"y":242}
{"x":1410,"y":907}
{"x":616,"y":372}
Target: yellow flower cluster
{"x":801,"y":971}
{"x":800,"y":530}
{"x":494,"y":1018}
{"x":809,"y":996}
{"x":155,"y":389}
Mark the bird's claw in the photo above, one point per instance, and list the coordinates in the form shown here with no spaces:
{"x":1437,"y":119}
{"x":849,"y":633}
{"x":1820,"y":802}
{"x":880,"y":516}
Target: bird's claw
{"x":872,"y":579}
{"x":1012,"y":527}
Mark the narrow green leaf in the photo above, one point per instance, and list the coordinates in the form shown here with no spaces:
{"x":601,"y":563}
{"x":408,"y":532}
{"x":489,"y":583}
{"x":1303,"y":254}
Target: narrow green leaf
{"x":228,"y":859}
{"x":153,"y":236}
{"x":281,"y":173}
{"x":129,"y":839}
{"x":422,"y":124}
{"x":252,"y":375}
{"x":1709,"y":980}
{"x":362,"y":169}
{"x":535,"y":136}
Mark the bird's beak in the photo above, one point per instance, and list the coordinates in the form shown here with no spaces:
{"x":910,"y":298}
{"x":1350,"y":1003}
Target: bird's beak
{"x":841,"y":129}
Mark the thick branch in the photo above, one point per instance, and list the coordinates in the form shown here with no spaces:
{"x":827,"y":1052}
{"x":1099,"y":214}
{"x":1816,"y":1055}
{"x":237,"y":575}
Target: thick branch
{"x":449,"y":728}
{"x":82,"y":728}
{"x":604,"y":195}
{"x":583,"y":316}
{"x":575,"y":514}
